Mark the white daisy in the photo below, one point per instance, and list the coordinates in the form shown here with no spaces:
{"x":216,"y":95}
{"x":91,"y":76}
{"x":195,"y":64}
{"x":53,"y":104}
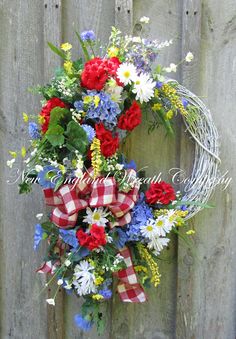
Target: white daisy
{"x":84,"y":278}
{"x":127,"y":73}
{"x":157,"y":244}
{"x":150,"y":230}
{"x":98,"y":216}
{"x":163,"y":224}
{"x":144,"y":87}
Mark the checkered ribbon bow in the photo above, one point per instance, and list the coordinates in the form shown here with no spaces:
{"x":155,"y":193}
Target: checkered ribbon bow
{"x":101,"y":192}
{"x":128,"y":287}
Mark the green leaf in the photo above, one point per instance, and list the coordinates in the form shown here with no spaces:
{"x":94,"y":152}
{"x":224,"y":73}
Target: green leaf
{"x":56,"y":115}
{"x":24,"y":187}
{"x":78,"y":64}
{"x":85,"y":51}
{"x":193,"y":203}
{"x":55,"y":135}
{"x":57,"y":50}
{"x":76,"y":137}
{"x":59,"y":183}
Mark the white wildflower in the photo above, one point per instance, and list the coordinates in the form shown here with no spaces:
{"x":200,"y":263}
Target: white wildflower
{"x":145,"y":19}
{"x":171,"y":68}
{"x":10,"y":162}
{"x":60,"y":282}
{"x":67,"y":263}
{"x":189,"y":57}
{"x":38,"y":168}
{"x":39,"y":216}
{"x":50,"y":302}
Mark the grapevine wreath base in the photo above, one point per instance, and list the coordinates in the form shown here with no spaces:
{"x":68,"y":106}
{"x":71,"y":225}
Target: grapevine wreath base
{"x":102,"y":223}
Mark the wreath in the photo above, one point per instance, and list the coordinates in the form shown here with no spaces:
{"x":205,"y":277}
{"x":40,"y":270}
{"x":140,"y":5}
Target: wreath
{"x":103,"y":223}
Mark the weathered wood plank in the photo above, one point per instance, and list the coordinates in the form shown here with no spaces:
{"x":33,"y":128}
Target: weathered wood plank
{"x":206,"y":296}
{"x":23,"y":314}
{"x":52,"y":33}
{"x":124,"y":15}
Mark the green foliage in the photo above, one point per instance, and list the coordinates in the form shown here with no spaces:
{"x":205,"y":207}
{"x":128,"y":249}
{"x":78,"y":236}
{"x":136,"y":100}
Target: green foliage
{"x":76,"y":137}
{"x":84,"y":48}
{"x":55,"y":135}
{"x":25,"y":187}
{"x":57,"y":50}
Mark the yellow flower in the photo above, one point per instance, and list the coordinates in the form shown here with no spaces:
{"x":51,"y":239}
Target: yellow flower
{"x":113,"y":51}
{"x":169,"y":114}
{"x":145,"y":255}
{"x":190,"y":232}
{"x":87,"y":99}
{"x":41,"y":119}
{"x":156,"y":107}
{"x":140,"y":268}
{"x":98,"y":280}
{"x":23,"y":152}
{"x":156,"y":92}
{"x":66,"y":46}
{"x":13,"y":154}
{"x":68,"y":65}
{"x":62,"y":168}
{"x":97,"y":297}
{"x":96,"y":100}
{"x":96,"y":157}
{"x":25,"y":117}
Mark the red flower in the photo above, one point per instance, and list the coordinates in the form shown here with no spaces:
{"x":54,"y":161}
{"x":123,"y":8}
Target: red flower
{"x":46,"y":110}
{"x":95,"y":239}
{"x":94,"y":75}
{"x":112,"y":65}
{"x":131,"y":118}
{"x":160,"y":193}
{"x":109,"y":144}
{"x":97,"y":71}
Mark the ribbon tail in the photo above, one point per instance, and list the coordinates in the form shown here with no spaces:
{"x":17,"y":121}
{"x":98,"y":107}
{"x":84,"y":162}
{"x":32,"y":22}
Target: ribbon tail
{"x":128,"y":287}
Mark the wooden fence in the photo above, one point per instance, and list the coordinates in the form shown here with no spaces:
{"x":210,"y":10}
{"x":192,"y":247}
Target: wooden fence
{"x":197,"y":295}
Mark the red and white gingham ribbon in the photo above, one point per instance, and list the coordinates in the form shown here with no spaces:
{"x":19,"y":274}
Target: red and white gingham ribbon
{"x":70,"y":199}
{"x":128,"y":287}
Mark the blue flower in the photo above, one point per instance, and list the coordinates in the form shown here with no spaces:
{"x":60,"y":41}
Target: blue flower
{"x":69,"y":237}
{"x":48,"y":177}
{"x":184,"y":208}
{"x":106,"y":293}
{"x":139,"y":216}
{"x":185,"y":102}
{"x":130,"y":165}
{"x":33,"y":130}
{"x":83,"y":323}
{"x":79,"y":105}
{"x":105,"y":110}
{"x":159,"y":84}
{"x":89,"y":131}
{"x":120,"y":237}
{"x":38,"y":235}
{"x":88,"y":36}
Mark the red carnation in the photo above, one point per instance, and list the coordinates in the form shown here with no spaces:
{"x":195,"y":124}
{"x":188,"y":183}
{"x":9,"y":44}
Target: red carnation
{"x":131,"y":118}
{"x":109,"y":144}
{"x":46,"y":110}
{"x":94,"y":239}
{"x":162,"y":193}
{"x":94,"y":75}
